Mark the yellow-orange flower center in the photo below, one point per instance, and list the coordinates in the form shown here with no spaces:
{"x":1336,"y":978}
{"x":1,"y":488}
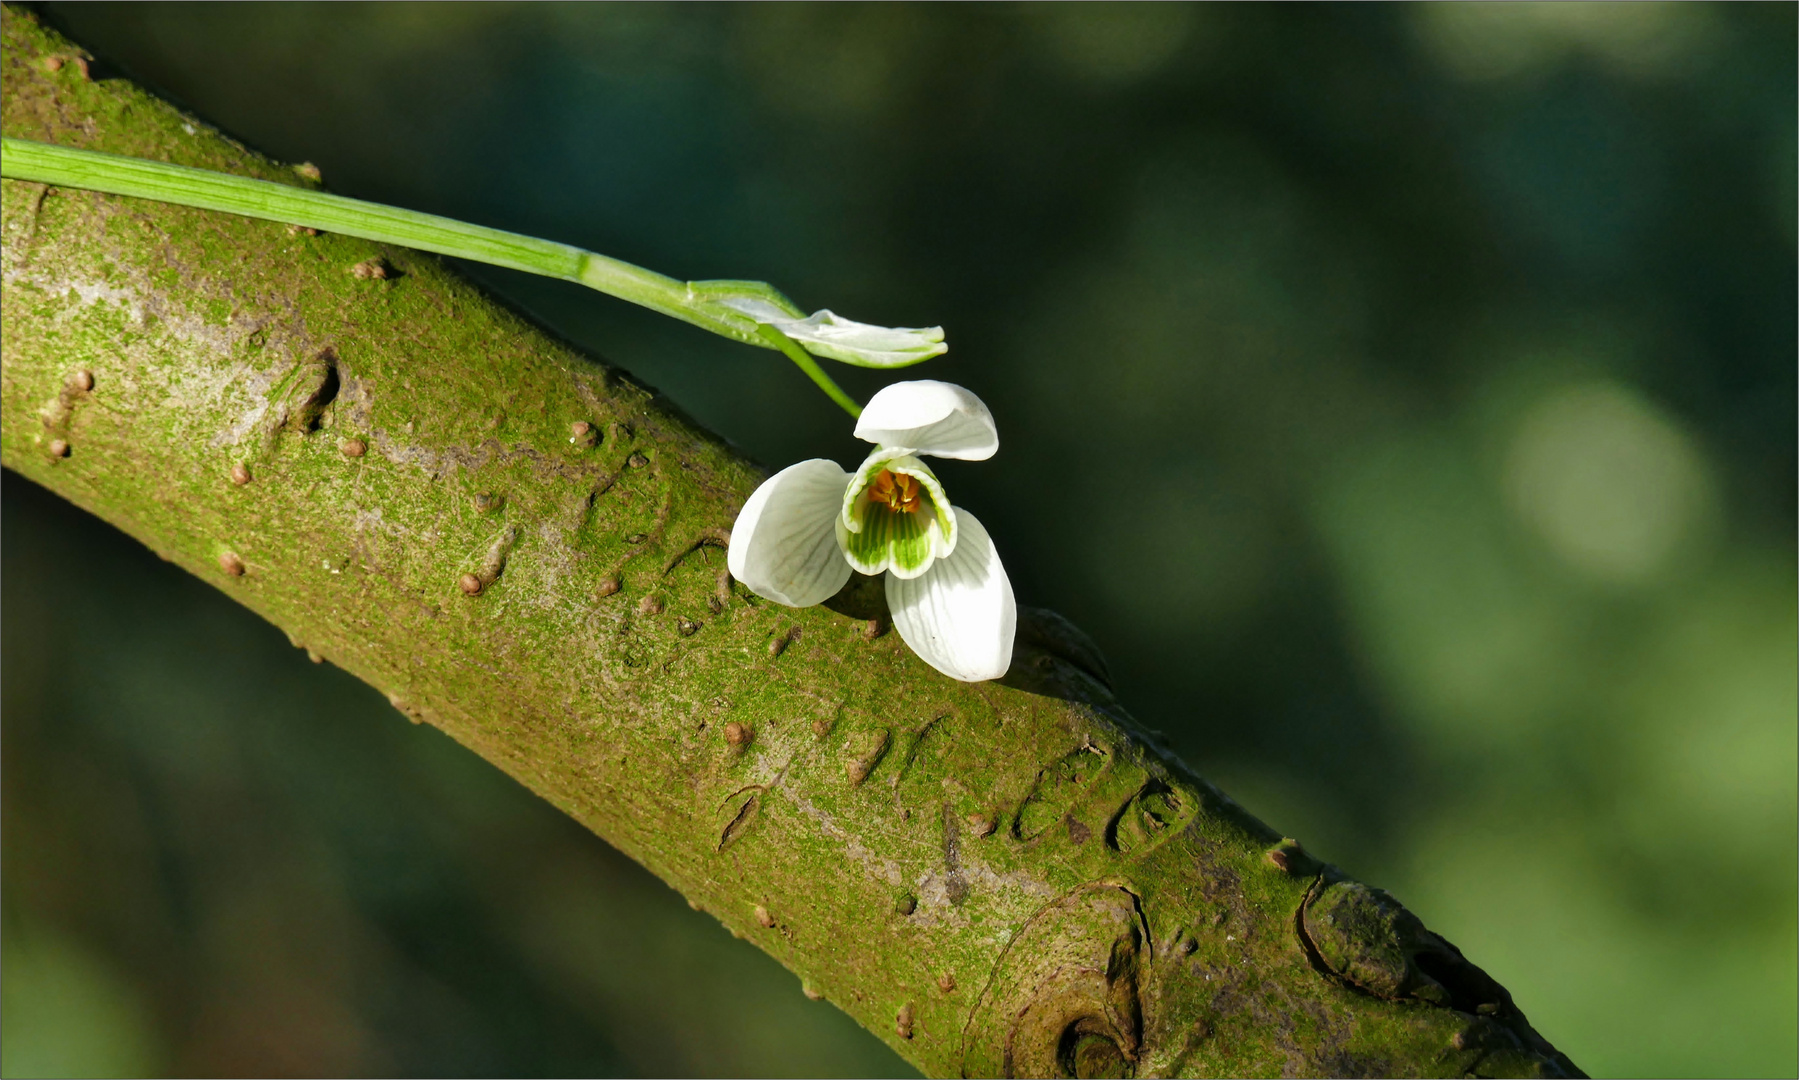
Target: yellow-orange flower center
{"x":896,"y":491}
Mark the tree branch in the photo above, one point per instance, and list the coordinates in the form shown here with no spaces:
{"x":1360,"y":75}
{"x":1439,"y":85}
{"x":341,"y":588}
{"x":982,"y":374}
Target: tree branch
{"x":1000,"y":878}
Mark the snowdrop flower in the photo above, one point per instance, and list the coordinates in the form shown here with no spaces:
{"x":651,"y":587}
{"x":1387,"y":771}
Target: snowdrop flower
{"x":803,"y":531}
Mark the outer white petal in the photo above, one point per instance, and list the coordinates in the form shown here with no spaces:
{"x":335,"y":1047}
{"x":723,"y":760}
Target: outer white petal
{"x":959,"y":617}
{"x":825,"y":333}
{"x":930,"y":417}
{"x":784,"y":544}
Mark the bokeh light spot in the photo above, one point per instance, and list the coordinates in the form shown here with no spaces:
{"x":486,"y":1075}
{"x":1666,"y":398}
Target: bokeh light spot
{"x":1112,"y":43}
{"x":66,"y":1012}
{"x":1501,"y":41}
{"x":1608,"y":481}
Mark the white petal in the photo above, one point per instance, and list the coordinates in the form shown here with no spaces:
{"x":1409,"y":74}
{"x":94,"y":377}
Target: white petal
{"x":824,"y":333}
{"x":784,"y":544}
{"x":930,"y":417}
{"x":959,"y":617}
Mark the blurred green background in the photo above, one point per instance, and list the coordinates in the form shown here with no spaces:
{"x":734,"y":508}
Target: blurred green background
{"x":1403,"y":397}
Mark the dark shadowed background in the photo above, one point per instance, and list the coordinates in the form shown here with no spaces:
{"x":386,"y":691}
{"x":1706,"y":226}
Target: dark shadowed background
{"x":1402,"y":396}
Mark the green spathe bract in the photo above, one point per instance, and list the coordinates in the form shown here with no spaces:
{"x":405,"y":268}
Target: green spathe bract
{"x":825,"y":333}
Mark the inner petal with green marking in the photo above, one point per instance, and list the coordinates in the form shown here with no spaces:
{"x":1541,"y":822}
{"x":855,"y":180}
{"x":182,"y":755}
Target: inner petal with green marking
{"x":895,"y":517}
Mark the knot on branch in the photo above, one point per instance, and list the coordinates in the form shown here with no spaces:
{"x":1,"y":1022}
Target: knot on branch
{"x":1367,"y":939}
{"x":1065,"y":999}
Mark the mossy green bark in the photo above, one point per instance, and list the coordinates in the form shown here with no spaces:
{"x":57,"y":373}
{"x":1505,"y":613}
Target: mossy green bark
{"x":999,"y":878}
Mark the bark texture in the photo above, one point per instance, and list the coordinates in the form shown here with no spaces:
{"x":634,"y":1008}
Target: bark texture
{"x":998,"y":879}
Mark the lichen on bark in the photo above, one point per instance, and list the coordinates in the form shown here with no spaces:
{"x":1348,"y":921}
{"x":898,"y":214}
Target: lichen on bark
{"x":1000,"y":878}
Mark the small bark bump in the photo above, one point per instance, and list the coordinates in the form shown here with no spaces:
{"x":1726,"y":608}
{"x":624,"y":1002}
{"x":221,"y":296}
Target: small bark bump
{"x":902,"y":1021}
{"x":372,"y":270}
{"x":607,"y":586}
{"x":406,"y":708}
{"x":487,"y":502}
{"x":1289,"y":857}
{"x":1078,"y":832}
{"x":739,"y":735}
{"x":812,"y":993}
{"x":637,"y":460}
{"x":353,"y":448}
{"x":59,"y":448}
{"x":582,"y":434}
{"x":820,"y":728}
{"x":637,"y":538}
{"x":865,"y":753}
{"x":308,"y":171}
{"x":764,"y":918}
{"x":906,"y":904}
{"x":982,"y":823}
{"x":82,"y":380}
{"x":232,"y":564}
{"x":778,"y":644}
{"x":946,"y":983}
{"x":873,"y":629}
{"x":53,"y":63}
{"x":687,"y":627}
{"x":650,"y":605}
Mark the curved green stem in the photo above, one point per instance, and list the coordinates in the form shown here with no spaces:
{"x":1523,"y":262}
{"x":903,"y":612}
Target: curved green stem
{"x":810,"y":367}
{"x":693,"y":302}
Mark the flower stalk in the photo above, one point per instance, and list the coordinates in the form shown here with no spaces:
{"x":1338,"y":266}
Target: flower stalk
{"x":751,"y":312}
{"x":805,"y":363}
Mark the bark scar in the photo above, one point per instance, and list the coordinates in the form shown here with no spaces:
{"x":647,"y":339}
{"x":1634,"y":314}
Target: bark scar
{"x":1313,"y":956}
{"x":301,"y":398}
{"x":59,"y":411}
{"x":712,"y":537}
{"x":493,"y":564}
{"x":28,"y":243}
{"x":954,"y":885}
{"x":740,"y":821}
